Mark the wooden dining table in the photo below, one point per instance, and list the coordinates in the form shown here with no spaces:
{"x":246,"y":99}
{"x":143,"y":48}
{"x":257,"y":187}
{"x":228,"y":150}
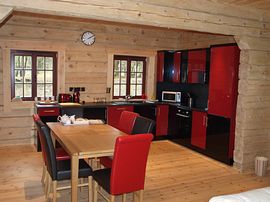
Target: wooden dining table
{"x":82,"y":142}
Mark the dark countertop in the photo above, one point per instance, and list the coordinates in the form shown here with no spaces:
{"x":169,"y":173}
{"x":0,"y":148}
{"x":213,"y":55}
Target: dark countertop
{"x":119,"y":103}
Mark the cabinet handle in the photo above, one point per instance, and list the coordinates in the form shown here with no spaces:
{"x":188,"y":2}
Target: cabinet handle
{"x":206,"y":121}
{"x":122,"y":108}
{"x":49,"y":111}
{"x":177,"y":114}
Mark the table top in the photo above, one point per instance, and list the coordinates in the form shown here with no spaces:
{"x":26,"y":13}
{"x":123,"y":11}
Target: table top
{"x":86,"y":141}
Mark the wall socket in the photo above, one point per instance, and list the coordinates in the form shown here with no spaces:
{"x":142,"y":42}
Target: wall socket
{"x":77,"y":89}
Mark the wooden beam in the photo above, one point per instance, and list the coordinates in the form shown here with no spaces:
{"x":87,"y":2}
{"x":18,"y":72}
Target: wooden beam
{"x":154,"y":14}
{"x":5,"y":12}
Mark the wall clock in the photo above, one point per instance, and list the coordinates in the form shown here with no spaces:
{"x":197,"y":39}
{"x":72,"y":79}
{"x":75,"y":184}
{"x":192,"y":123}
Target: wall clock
{"x":88,"y":38}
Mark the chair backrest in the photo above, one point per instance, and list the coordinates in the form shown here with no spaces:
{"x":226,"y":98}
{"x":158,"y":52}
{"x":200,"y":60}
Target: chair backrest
{"x":49,"y":150}
{"x":143,"y":125}
{"x":126,"y":121}
{"x":36,"y":118}
{"x":129,"y":163}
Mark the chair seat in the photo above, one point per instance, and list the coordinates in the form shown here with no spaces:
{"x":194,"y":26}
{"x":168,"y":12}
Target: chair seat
{"x":64,"y":169}
{"x":61,"y":154}
{"x":103,"y":178}
{"x":106,"y":161}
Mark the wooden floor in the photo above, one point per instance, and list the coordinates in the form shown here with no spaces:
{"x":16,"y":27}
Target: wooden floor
{"x":173,"y":173}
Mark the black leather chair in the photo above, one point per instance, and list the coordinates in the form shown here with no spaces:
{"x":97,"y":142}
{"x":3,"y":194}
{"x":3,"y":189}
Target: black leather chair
{"x":143,"y":125}
{"x":61,"y":170}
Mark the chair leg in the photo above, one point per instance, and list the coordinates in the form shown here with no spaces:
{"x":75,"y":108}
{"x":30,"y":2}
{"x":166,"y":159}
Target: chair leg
{"x":112,"y":198}
{"x":46,"y":178}
{"x":138,"y":196}
{"x":81,"y":182}
{"x":44,"y":169}
{"x":124,"y":197}
{"x":48,"y":186}
{"x":90,"y":189}
{"x":54,"y":183}
{"x":95,"y":191}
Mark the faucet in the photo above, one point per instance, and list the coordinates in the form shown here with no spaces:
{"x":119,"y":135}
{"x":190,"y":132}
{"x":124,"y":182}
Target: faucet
{"x":128,"y":97}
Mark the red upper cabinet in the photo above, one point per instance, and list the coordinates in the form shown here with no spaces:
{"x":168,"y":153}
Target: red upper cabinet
{"x":162,"y":112}
{"x":160,"y":66}
{"x":223,"y":81}
{"x":176,"y":67}
{"x":198,"y":132}
{"x":166,"y":69}
{"x":196,"y":66}
{"x":114,"y":113}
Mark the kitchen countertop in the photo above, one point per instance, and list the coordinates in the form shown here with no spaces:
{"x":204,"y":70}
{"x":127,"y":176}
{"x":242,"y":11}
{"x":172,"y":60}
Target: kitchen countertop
{"x":116,"y":103}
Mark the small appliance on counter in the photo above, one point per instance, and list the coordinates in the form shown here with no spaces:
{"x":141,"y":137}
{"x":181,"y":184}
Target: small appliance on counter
{"x":76,"y":97}
{"x":171,"y":96}
{"x":64,"y":97}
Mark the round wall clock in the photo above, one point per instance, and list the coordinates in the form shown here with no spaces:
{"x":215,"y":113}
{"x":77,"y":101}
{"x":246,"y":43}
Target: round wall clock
{"x":88,"y":38}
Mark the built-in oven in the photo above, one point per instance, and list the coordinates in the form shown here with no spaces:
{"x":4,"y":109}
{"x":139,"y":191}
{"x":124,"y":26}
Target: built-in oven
{"x":180,"y":124}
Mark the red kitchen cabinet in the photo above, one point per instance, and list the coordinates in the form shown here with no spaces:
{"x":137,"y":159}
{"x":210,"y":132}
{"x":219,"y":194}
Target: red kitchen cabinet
{"x":196,"y":66}
{"x":166,"y":71}
{"x":114,"y":113}
{"x":160,"y":66}
{"x":198,"y":132}
{"x":46,"y":114}
{"x":223,"y":80}
{"x":162,"y":112}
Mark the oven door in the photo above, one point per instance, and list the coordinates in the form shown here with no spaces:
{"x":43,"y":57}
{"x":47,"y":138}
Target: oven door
{"x":180,"y":123}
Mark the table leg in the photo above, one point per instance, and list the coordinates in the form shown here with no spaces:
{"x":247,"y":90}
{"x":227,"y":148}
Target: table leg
{"x":74,"y":177}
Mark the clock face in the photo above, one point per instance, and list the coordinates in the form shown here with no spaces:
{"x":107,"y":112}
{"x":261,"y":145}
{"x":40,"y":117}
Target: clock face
{"x":88,"y":38}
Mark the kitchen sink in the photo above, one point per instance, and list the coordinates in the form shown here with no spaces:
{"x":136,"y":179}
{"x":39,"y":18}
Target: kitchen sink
{"x":127,"y":102}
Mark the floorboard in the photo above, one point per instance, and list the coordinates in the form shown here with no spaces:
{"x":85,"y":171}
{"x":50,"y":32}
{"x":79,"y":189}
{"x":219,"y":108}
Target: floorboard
{"x":174,"y":173}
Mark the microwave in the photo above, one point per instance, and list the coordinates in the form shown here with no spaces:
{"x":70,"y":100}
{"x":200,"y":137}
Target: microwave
{"x":171,"y":96}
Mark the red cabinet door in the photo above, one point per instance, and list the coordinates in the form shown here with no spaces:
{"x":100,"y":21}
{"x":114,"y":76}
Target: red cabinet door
{"x":198,"y":132}
{"x":176,"y":67}
{"x":162,"y":112}
{"x":223,"y":80}
{"x":196,"y":66}
{"x":114,"y":113}
{"x":160,"y":66}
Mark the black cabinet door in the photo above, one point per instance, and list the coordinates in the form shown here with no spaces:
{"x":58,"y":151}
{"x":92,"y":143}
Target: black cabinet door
{"x":95,"y":113}
{"x":168,"y":66}
{"x":77,"y":111}
{"x":217,"y":138}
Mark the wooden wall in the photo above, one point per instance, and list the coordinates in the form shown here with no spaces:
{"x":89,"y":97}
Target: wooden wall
{"x":82,"y":66}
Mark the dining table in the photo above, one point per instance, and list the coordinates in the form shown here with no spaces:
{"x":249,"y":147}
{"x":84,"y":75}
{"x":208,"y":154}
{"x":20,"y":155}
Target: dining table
{"x":83,"y":142}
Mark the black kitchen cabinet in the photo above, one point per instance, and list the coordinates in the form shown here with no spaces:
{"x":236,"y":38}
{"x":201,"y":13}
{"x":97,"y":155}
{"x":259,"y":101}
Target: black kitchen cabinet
{"x":218,"y":138}
{"x":165,"y":66}
{"x":77,"y":111}
{"x":95,"y":113}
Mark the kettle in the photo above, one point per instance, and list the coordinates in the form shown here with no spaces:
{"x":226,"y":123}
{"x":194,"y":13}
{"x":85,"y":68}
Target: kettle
{"x":76,"y":97}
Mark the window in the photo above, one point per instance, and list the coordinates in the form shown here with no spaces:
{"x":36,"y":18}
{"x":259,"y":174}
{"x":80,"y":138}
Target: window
{"x":129,"y":76}
{"x":33,"y":74}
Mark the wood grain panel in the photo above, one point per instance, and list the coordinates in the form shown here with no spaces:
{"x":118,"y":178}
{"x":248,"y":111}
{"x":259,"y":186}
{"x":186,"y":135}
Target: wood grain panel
{"x":173,"y":173}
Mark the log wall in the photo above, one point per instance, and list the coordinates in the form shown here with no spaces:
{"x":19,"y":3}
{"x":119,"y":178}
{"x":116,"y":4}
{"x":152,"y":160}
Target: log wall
{"x":251,"y":28}
{"x":80,"y":65}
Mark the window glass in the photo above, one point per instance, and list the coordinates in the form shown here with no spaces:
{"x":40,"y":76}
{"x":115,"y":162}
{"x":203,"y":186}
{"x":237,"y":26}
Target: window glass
{"x":128,"y":77}
{"x":33,"y":74}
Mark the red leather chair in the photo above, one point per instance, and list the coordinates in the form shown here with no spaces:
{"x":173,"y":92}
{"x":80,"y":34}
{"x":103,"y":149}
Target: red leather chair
{"x":61,"y":154}
{"x":126,"y":123}
{"x":128,"y":167}
{"x":61,"y":170}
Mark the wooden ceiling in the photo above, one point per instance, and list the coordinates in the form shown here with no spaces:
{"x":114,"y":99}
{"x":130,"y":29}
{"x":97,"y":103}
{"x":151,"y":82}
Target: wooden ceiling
{"x":258,"y":4}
